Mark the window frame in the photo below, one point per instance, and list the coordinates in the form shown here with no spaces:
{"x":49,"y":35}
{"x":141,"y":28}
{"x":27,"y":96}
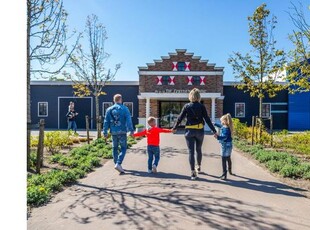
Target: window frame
{"x":269,"y":110}
{"x":103,"y":108}
{"x":238,"y":103}
{"x":129,"y":102}
{"x":41,"y":102}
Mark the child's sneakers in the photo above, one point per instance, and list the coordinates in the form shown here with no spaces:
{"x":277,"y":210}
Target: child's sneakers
{"x":149,"y":171}
{"x":119,"y":168}
{"x":194,"y":175}
{"x":154,"y":169}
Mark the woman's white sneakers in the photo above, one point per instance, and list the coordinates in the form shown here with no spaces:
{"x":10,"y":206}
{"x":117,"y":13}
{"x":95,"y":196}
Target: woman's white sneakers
{"x":198,"y":169}
{"x":194,"y":175}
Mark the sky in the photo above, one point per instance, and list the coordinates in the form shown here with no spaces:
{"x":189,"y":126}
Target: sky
{"x":140,"y":31}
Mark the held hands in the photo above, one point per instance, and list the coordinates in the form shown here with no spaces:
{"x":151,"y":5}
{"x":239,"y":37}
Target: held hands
{"x":215,"y":135}
{"x":173,"y":130}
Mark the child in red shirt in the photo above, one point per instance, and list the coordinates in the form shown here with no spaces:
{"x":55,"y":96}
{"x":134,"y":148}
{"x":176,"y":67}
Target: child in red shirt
{"x":153,"y":139}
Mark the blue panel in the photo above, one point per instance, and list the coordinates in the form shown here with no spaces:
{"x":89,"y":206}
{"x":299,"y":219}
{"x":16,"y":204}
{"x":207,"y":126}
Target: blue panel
{"x":299,"y":111}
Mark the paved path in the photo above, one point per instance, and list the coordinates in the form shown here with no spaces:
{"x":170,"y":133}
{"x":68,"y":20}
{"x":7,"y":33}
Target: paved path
{"x":169,"y":200}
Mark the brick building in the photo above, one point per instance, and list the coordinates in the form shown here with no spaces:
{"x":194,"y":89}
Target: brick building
{"x":164,"y":86}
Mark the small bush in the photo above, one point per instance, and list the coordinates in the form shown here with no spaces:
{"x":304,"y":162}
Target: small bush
{"x":289,"y":170}
{"x":34,"y":141}
{"x":56,"y":158}
{"x":55,"y":141}
{"x":33,"y":159}
{"x":274,"y":165}
{"x":37,"y":195}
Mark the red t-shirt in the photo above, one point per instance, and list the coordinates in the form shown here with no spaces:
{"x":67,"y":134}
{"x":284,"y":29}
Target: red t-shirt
{"x":152,"y":135}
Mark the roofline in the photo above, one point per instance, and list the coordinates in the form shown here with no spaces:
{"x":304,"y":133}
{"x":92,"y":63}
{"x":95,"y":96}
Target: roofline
{"x":71,"y":83}
{"x":232,"y":83}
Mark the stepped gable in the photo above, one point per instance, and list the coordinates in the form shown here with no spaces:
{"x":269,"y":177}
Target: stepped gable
{"x":166,"y":62}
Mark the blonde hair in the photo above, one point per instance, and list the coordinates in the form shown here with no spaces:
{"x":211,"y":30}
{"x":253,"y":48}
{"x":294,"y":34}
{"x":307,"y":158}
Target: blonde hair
{"x":117,"y":98}
{"x":228,"y":121}
{"x":151,"y":119}
{"x":194,"y":95}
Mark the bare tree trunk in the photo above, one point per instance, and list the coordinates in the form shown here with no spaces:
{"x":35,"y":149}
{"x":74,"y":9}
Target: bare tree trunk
{"x":97,"y":116}
{"x":260,"y":107}
{"x":28,"y":84}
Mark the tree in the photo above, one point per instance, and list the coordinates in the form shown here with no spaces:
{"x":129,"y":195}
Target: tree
{"x":90,"y":74}
{"x":299,"y":67}
{"x":47,"y":52}
{"x":259,"y":70}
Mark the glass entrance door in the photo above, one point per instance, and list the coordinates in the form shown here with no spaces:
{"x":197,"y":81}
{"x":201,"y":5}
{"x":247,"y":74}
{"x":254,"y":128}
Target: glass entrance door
{"x":169,"y":112}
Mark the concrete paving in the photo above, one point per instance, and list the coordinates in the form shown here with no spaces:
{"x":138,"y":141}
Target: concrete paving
{"x":253,"y":199}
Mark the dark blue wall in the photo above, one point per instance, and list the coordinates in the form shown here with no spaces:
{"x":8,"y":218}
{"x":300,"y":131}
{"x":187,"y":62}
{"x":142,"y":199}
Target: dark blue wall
{"x":51,"y":94}
{"x":299,"y":111}
{"x":234,"y":95}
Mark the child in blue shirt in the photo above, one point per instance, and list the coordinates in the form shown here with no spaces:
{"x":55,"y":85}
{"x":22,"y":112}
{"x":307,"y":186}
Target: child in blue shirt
{"x":225,"y":139}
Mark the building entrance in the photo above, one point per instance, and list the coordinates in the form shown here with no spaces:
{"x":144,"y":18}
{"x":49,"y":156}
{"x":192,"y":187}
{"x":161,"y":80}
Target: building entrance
{"x":169,"y":111}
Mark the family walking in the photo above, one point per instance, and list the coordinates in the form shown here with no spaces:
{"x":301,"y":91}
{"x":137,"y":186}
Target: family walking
{"x":118,"y":122}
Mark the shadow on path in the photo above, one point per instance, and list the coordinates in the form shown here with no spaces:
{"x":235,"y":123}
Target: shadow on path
{"x":262,"y":186}
{"x":163,"y":205}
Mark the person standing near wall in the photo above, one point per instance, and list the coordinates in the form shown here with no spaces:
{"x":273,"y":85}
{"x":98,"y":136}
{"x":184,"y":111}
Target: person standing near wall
{"x":118,"y":121}
{"x":71,"y":116}
{"x":196,"y":115}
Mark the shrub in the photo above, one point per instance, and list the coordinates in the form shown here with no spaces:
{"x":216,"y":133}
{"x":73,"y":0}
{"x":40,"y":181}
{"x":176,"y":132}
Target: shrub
{"x":56,"y":158}
{"x":33,"y":159}
{"x":55,"y":141}
{"x":37,"y":195}
{"x":34,"y":141}
{"x":289,"y":170}
{"x":274,"y":165}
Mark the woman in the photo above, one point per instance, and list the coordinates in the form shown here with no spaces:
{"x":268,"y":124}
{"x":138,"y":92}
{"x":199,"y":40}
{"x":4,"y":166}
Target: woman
{"x":196,"y":115}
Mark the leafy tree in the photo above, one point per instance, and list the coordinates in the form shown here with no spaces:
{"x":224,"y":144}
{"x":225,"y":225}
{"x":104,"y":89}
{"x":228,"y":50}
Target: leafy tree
{"x":47,"y":52}
{"x":90,"y":75}
{"x":299,"y":67}
{"x":259,"y":70}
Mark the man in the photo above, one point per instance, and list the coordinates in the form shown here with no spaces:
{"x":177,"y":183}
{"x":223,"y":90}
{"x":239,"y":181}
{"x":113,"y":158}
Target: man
{"x":118,"y":121}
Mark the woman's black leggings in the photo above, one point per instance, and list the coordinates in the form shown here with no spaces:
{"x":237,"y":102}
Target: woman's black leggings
{"x":194,"y":137}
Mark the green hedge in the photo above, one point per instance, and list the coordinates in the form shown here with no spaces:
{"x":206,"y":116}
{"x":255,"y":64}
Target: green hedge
{"x":79,"y":161}
{"x":279,"y":162}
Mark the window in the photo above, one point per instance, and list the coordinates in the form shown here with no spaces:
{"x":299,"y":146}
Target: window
{"x":181,"y":66}
{"x":165,"y":80}
{"x":42,"y":109}
{"x":129,"y":106}
{"x":239,"y":109}
{"x":196,"y":80}
{"x":266,"y":110}
{"x":105,"y":106}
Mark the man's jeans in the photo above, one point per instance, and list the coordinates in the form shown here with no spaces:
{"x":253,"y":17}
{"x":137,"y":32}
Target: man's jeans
{"x":119,"y":140}
{"x":72,"y":125}
{"x":153,"y":151}
{"x":194,"y":137}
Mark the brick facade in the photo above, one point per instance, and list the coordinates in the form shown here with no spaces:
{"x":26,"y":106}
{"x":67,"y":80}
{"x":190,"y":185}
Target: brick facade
{"x":148,"y":79}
